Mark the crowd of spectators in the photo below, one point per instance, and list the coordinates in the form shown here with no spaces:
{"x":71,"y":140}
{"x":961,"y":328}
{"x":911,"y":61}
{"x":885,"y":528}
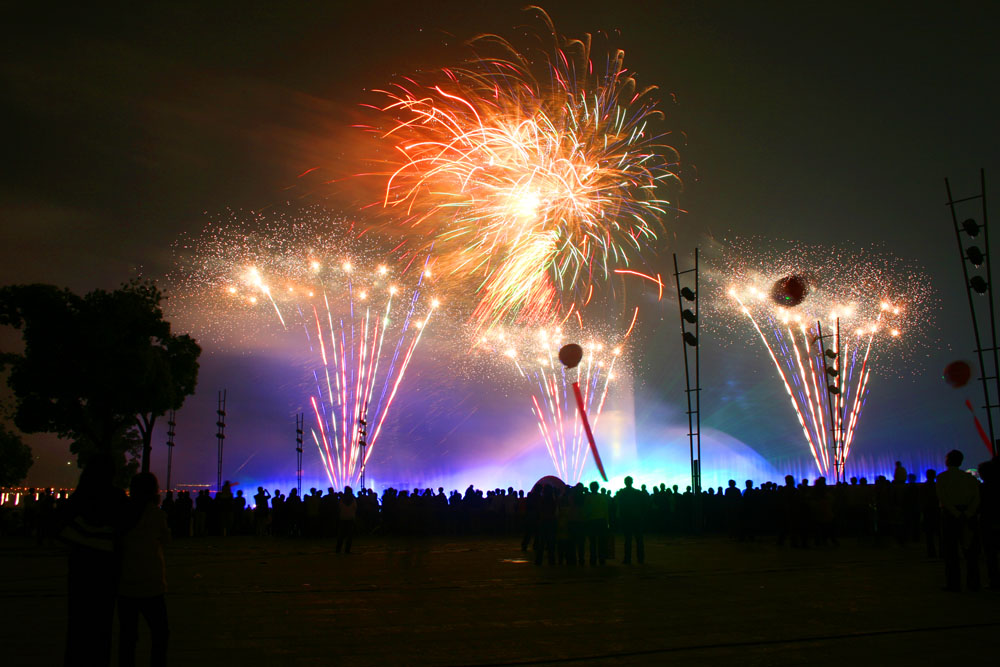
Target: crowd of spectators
{"x":556,"y":521}
{"x":116,"y":543}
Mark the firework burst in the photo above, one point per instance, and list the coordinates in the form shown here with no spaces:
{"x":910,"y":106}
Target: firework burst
{"x":362,"y":321}
{"x":533,"y":354}
{"x":828,"y":319}
{"x":534,"y":171}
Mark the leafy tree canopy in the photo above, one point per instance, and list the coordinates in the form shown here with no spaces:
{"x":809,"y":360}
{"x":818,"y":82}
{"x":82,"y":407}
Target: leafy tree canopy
{"x":15,"y":458}
{"x":95,"y":366}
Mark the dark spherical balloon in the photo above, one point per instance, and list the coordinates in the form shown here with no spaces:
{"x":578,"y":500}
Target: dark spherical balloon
{"x":570,"y":355}
{"x":957,"y":373}
{"x":549,"y":480}
{"x":789,"y":291}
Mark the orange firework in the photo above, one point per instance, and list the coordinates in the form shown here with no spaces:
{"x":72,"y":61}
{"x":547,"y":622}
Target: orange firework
{"x":534,"y":181}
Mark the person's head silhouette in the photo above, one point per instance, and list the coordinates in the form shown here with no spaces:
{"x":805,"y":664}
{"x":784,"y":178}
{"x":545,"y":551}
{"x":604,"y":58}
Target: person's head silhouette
{"x":954,"y":459}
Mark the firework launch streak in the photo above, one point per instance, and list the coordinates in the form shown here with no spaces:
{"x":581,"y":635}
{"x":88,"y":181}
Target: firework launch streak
{"x":979,"y":427}
{"x":586,"y":427}
{"x":570,"y":356}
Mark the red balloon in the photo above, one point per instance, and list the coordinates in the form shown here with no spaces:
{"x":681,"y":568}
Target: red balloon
{"x":957,"y":373}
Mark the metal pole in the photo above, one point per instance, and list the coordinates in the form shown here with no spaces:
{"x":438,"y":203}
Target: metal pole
{"x":171,"y":423}
{"x":220,"y":434}
{"x":362,"y":439}
{"x":299,"y":424}
{"x":697,"y":369}
{"x":993,"y":320}
{"x":694,"y":407}
{"x":984,"y":378}
{"x":841,"y":460}
{"x":829,"y":395}
{"x":687,"y":380}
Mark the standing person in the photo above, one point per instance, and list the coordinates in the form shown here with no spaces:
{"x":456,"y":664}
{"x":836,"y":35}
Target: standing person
{"x":202,"y":506}
{"x":958,"y":493}
{"x":277,"y":513}
{"x":631,"y":508}
{"x":577,"y":520}
{"x":89,"y":519}
{"x":530,"y":520}
{"x":823,"y":514}
{"x":169,"y":507}
{"x":546,"y":526}
{"x":260,"y":510}
{"x":293,"y":513}
{"x":143,"y":580}
{"x":222,"y":509}
{"x":930,"y":510}
{"x":989,"y":519}
{"x":347,"y":509}
{"x":786,"y":503}
{"x":597,"y":524}
{"x":185,"y":513}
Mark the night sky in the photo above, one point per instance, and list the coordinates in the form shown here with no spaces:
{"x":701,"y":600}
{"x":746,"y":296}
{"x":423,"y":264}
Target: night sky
{"x":823,"y":123}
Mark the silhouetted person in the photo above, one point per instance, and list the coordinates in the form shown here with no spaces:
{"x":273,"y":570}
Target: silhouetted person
{"x":958,"y":493}
{"x":989,"y":518}
{"x":800,"y":516}
{"x":143,"y":581}
{"x":564,"y":544}
{"x":884,"y":509}
{"x":239,"y":507}
{"x":577,"y":520}
{"x":261,"y":510}
{"x":223,"y":506}
{"x":785,"y":508}
{"x":530,"y":520}
{"x":169,"y":507}
{"x":631,"y":508}
{"x":202,"y":507}
{"x":348,"y":514}
{"x":596,"y":509}
{"x":311,"y":507}
{"x":277,"y":513}
{"x":328,"y":512}
{"x":748,"y":513}
{"x":930,"y":512}
{"x":546,"y":540}
{"x":185,"y":514}
{"x":733,"y":500}
{"x":911,"y":507}
{"x":90,"y":516}
{"x":823,"y":514}
{"x":293,"y":513}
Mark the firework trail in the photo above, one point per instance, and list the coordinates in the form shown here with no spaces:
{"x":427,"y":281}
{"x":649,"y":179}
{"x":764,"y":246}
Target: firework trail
{"x":534,"y":355}
{"x":534,"y":171}
{"x":361,"y":321}
{"x":827,"y":318}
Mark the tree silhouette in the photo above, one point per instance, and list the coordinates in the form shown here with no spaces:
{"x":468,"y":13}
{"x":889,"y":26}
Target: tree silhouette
{"x":95,"y":366}
{"x":15,"y":458}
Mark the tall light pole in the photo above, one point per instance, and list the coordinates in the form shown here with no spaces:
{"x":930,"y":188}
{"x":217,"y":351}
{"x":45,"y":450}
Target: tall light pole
{"x":171,"y":423}
{"x":299,"y":424}
{"x":686,"y":296}
{"x":220,"y":434}
{"x":974,"y":261}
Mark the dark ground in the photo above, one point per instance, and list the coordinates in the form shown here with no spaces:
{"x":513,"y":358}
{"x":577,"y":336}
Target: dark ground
{"x":705,"y":601}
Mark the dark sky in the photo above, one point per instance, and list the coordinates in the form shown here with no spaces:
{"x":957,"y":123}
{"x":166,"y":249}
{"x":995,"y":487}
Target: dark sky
{"x":819,"y":122}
